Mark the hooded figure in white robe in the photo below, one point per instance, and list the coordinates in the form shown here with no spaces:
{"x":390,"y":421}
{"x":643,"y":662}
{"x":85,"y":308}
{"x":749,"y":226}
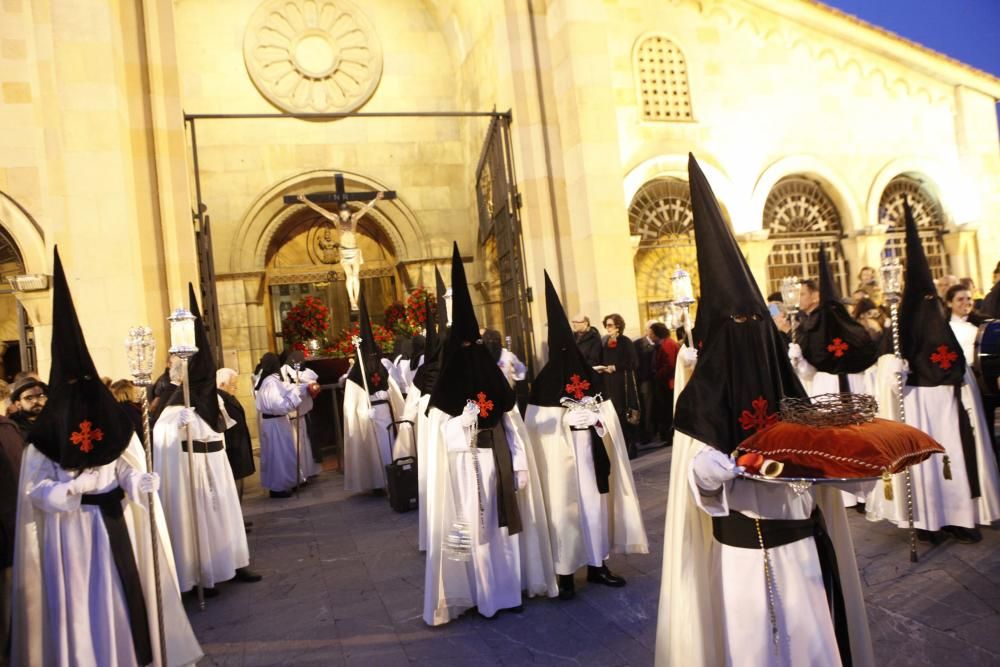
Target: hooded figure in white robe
{"x":370,"y":409}
{"x":280,"y":471}
{"x":488,"y":536}
{"x":221,"y":536}
{"x":84,"y":591}
{"x":718,"y":603}
{"x":834,"y":353}
{"x":941,"y":399}
{"x":590,"y":496}
{"x":299,"y":379}
{"x":413,"y":428}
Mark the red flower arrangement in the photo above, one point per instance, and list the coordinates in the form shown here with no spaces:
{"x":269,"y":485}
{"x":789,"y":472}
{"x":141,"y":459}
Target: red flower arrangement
{"x":309,"y":319}
{"x":395,"y":314}
{"x":342,"y":346}
{"x":420,"y":307}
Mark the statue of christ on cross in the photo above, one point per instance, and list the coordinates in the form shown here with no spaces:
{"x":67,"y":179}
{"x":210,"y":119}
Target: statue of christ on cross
{"x":346,"y":223}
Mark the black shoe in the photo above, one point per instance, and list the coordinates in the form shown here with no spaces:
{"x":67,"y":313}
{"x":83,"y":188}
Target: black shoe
{"x":378,"y":492}
{"x":247,"y":524}
{"x":281,"y":494}
{"x":860,"y":508}
{"x":934,"y":537}
{"x":964,"y":535}
{"x":602,"y":575}
{"x":246,"y":575}
{"x":567,"y":588}
{"x":519,"y":609}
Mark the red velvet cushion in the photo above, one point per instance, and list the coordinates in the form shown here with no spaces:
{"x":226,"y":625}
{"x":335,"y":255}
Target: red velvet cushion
{"x":864,"y":450}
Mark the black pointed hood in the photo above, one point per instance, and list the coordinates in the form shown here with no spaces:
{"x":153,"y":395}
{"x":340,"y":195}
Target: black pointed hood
{"x":926,"y":339}
{"x":743,"y":370}
{"x":82,"y":425}
{"x":567,"y":374}
{"x":201,"y":374}
{"x":468,"y":373}
{"x":427,"y":374}
{"x":832,"y":340}
{"x":378,"y":379}
{"x":269,"y":364}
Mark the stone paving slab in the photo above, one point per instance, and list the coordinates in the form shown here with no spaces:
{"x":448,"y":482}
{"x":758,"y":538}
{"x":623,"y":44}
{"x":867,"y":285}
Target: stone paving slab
{"x":343,"y":585}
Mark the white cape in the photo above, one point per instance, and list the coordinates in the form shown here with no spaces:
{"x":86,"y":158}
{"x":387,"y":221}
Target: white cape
{"x":278,"y":470}
{"x":299,"y":381}
{"x":222,"y":537}
{"x":557,"y":468}
{"x":412,"y":441}
{"x":937,"y":501}
{"x":367,"y":442}
{"x":449,"y":584}
{"x":48,"y":615}
{"x":689,"y":627}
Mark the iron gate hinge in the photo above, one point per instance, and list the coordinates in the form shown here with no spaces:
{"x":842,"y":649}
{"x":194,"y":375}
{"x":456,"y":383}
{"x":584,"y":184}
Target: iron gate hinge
{"x":517,"y":199}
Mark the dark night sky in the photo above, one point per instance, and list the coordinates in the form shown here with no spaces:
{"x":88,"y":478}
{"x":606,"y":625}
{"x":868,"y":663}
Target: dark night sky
{"x":967,"y":30}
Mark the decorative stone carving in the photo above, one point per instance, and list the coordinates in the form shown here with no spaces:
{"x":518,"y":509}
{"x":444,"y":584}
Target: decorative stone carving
{"x":312,"y":56}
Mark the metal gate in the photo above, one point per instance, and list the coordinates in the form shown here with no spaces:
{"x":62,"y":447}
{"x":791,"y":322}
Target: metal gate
{"x":500,"y":223}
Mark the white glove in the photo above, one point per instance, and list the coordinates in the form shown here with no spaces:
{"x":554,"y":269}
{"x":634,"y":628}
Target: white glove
{"x":689,"y":356}
{"x":794,"y":352}
{"x":470,"y":415}
{"x":185,"y":416}
{"x":86,"y":482}
{"x":149,"y":482}
{"x":520,"y":479}
{"x":712,"y":469}
{"x":581,"y":418}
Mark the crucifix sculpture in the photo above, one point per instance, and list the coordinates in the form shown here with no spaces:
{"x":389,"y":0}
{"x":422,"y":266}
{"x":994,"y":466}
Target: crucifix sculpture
{"x":346,"y":223}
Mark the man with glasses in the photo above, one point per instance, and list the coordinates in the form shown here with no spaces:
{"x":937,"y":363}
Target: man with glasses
{"x":587,"y":339}
{"x":28,"y":396}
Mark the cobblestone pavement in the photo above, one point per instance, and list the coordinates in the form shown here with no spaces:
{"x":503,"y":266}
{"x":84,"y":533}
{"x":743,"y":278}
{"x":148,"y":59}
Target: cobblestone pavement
{"x":343,"y":585}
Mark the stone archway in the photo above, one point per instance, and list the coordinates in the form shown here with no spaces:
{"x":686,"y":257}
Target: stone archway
{"x":25,"y":317}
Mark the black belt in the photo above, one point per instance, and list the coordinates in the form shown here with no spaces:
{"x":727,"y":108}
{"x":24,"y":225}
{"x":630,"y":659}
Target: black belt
{"x":380,"y":402}
{"x":110,"y":504}
{"x":508,"y":512}
{"x":602,"y":464}
{"x":739,"y":530}
{"x":204,"y":447}
{"x":265,"y":416}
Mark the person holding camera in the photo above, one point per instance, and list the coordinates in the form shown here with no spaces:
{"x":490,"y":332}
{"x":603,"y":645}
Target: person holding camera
{"x":619,"y":363}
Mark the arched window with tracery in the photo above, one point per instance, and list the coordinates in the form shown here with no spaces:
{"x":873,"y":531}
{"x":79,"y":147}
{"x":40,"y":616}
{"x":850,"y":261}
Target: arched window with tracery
{"x":662,"y":80}
{"x":927,"y":213}
{"x":800,"y":216}
{"x":660,"y":215}
{"x":17,"y":336}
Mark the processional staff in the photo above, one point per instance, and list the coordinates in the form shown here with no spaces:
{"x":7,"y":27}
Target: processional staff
{"x":140,"y":349}
{"x":182,"y":344}
{"x":892,"y":288}
{"x":297,"y":365}
{"x":680,"y":281}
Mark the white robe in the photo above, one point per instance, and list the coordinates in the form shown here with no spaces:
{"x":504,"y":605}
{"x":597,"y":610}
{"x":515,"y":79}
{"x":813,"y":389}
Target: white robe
{"x":412,"y":441}
{"x":501,"y":565}
{"x":300,"y":380}
{"x":585,"y":526}
{"x":69,"y":606}
{"x":818,"y":382}
{"x":938,"y":502}
{"x":221,"y":534}
{"x":706,"y":603}
{"x":367,"y":441}
{"x":278,"y":470}
{"x":966,"y":334}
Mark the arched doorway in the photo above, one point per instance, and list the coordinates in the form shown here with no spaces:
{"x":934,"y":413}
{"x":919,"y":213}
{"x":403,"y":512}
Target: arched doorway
{"x":927,"y":213}
{"x":660,"y":215}
{"x":800,"y":216}
{"x":303,"y":259}
{"x":17,"y":350}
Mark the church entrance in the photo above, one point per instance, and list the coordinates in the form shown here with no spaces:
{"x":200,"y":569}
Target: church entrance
{"x":17,"y":347}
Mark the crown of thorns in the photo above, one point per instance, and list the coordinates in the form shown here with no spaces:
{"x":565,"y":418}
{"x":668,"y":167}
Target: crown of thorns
{"x":829,"y":409}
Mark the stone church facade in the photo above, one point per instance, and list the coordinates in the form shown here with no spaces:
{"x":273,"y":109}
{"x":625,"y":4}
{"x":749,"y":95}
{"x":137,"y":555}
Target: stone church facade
{"x":812,"y":126}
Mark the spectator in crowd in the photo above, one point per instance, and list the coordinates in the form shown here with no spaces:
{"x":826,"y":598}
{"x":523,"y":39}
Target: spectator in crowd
{"x":587,"y":339}
{"x":124,"y":393}
{"x":868,"y":284}
{"x":11,"y":449}
{"x":645,"y":349}
{"x":29,"y":397}
{"x":871,"y":317}
{"x":619,"y":362}
{"x":664,"y":363}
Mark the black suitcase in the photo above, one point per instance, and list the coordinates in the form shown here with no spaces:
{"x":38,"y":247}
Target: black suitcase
{"x":401,"y":476}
